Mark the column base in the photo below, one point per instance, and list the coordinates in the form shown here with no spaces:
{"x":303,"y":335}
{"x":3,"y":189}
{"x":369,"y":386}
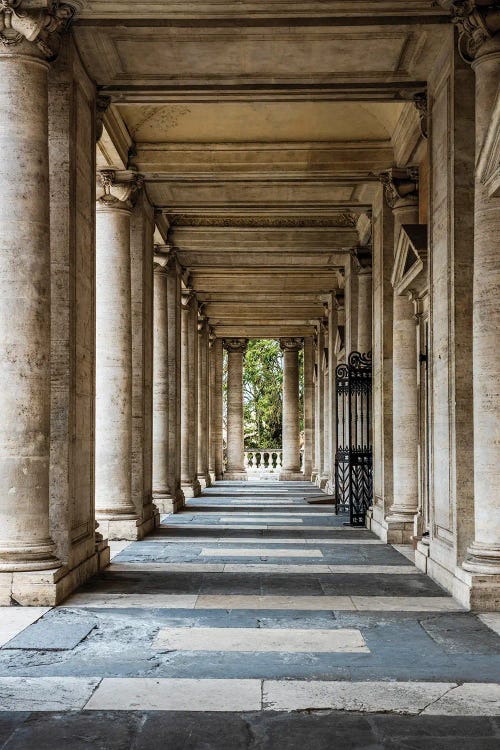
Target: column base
{"x":169,"y":502}
{"x":212,"y":477}
{"x":474,"y":592}
{"x":482,"y":559}
{"x":204,"y":480}
{"x":321,"y":481}
{"x":291,"y":476}
{"x":127,"y":529}
{"x":391,"y":529}
{"x":47,"y":588}
{"x":235,"y":476}
{"x":191,"y":489}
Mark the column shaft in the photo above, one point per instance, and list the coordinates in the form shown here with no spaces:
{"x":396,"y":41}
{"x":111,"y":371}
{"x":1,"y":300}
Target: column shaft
{"x":161,"y":410}
{"x":217,"y":411}
{"x":235,"y":436}
{"x":291,"y":426}
{"x":308,"y":406}
{"x":174,"y":382}
{"x":320,"y":408}
{"x":25,"y":542}
{"x":484,"y":553}
{"x":405,"y":394}
{"x":115,"y":510}
{"x":203,"y":438}
{"x":189,"y":398}
{"x":211,"y":404}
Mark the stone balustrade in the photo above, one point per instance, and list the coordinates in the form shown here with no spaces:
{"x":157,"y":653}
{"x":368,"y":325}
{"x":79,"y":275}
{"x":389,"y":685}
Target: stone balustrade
{"x":266,"y":460}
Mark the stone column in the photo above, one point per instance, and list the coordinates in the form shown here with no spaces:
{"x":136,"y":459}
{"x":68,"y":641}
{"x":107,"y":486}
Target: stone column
{"x":217,"y":409}
{"x":320,"y":407}
{"x":173,"y":271}
{"x":365,"y":297}
{"x":291,"y":426}
{"x":115,"y":510}
{"x":484,"y":553}
{"x":308,"y":406}
{"x":211,"y":404}
{"x":189,"y":401}
{"x":203,"y":438}
{"x":333,"y":321}
{"x":235,"y":437}
{"x":162,"y":494}
{"x":25,"y":541}
{"x":401,"y":189}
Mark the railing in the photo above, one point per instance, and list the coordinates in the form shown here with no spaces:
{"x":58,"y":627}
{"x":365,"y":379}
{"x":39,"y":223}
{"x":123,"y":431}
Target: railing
{"x":266,"y":460}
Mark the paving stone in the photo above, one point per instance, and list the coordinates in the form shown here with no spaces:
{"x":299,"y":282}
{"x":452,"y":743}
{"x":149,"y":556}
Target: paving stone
{"x":462,"y":634}
{"x":61,"y":633}
{"x":45,"y":693}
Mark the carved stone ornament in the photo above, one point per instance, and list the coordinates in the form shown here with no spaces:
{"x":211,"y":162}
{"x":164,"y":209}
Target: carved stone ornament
{"x":118,"y":189}
{"x":291,"y":344}
{"x":102,"y":105}
{"x":410,"y":271}
{"x":399,"y":185}
{"x":235,"y":345}
{"x":341,"y":220}
{"x":34,"y":21}
{"x":477,"y":22}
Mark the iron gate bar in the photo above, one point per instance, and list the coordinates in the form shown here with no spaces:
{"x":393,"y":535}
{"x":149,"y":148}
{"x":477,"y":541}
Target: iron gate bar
{"x":354,"y":452}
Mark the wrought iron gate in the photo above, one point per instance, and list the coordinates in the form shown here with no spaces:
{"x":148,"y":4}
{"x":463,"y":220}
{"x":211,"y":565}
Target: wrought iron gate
{"x":354,"y":453}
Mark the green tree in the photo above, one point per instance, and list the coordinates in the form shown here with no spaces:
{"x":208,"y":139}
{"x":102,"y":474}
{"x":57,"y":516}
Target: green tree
{"x":262,"y":389}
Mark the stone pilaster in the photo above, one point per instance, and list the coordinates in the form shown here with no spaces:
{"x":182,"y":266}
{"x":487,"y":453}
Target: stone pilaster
{"x":291,"y":426}
{"x":308,"y":406}
{"x":401,"y":191}
{"x":216,"y":410}
{"x":235,"y":436}
{"x":203,"y":403}
{"x":365,"y":301}
{"x":333,"y":322}
{"x":189,"y":396}
{"x":115,"y":510}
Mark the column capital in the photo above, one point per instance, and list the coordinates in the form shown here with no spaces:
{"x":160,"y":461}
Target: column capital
{"x":362,"y":258}
{"x":478,"y":25}
{"x":102,"y":104}
{"x":400,"y":186}
{"x":34,"y":22}
{"x":235,"y":345}
{"x":117,"y":190}
{"x":188,"y":297}
{"x":291,"y":344}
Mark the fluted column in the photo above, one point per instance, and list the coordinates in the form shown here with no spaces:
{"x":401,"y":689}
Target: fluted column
{"x":291,"y":427}
{"x":235,"y":436}
{"x":308,"y":406}
{"x":203,"y":437}
{"x":25,"y":540}
{"x":217,"y":410}
{"x":189,"y":396}
{"x":484,"y":553}
{"x":365,"y":297}
{"x":115,"y":511}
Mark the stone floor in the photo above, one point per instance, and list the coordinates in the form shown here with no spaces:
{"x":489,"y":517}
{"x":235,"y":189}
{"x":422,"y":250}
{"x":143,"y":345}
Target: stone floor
{"x":252,"y":620}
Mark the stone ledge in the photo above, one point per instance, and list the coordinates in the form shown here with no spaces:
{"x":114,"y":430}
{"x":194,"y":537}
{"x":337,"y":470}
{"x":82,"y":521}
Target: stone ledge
{"x":475,"y":592}
{"x":292,"y":476}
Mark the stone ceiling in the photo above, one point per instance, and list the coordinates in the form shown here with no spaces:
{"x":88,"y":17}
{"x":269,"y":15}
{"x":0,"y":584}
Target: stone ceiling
{"x":260,"y":128}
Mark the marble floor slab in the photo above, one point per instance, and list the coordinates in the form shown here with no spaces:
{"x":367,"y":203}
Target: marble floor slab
{"x":262,"y":640}
{"x":258,"y":552}
{"x":13,"y":620}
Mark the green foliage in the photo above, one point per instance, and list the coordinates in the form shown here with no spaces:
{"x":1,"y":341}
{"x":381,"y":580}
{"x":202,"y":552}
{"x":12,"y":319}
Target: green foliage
{"x":262,"y":390}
